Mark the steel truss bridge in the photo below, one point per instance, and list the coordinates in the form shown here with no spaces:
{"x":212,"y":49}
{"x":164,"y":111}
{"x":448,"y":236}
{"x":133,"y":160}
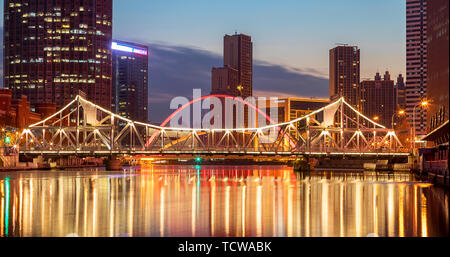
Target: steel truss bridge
{"x":83,"y":128}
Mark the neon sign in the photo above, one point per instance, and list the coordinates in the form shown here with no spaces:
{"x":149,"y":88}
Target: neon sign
{"x":128,"y":48}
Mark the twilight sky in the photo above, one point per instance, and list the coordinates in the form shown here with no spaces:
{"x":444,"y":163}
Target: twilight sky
{"x":296,"y":33}
{"x":291,"y":42}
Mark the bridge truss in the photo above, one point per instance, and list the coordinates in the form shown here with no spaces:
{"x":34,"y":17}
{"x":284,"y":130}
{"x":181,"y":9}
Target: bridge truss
{"x":83,"y":128}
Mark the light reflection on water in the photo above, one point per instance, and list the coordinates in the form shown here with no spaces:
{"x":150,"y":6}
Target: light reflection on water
{"x":219,"y":201}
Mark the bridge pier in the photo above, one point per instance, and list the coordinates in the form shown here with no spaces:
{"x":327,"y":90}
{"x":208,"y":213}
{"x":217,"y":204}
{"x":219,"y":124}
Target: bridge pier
{"x":302,"y":164}
{"x":113,"y":164}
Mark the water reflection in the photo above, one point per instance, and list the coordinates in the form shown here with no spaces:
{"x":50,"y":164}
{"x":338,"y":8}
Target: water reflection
{"x":219,"y":201}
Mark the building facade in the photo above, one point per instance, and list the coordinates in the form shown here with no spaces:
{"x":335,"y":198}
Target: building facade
{"x":401,"y":92}
{"x":345,"y":73}
{"x":130,"y":80}
{"x":54,"y":49}
{"x":378,"y":99}
{"x":16,"y":113}
{"x":438,"y":62}
{"x":416,"y":63}
{"x":435,"y":158}
{"x":225,"y":80}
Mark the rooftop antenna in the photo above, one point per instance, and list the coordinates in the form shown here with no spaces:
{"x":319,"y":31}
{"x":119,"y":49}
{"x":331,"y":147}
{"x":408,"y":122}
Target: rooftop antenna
{"x":341,"y":44}
{"x":235,"y":32}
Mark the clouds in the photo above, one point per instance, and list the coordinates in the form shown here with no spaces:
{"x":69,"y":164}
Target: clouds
{"x":176,"y":70}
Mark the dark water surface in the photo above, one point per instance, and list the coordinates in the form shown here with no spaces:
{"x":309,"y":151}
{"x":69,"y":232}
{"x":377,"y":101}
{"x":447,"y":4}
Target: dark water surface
{"x":220,"y":201}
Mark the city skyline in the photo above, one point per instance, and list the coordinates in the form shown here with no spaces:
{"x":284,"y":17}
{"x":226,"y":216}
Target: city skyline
{"x":389,"y":56}
{"x":303,"y":74}
{"x":224,"y":119}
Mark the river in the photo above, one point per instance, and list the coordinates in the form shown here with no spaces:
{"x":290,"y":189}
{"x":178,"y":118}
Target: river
{"x":161,"y":201}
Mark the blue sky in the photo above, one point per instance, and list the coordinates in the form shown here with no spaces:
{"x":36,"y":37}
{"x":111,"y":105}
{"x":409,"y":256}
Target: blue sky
{"x":295,"y":33}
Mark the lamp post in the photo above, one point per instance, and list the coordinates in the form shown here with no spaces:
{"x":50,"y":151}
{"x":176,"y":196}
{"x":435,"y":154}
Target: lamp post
{"x":423,"y":104}
{"x":401,"y":112}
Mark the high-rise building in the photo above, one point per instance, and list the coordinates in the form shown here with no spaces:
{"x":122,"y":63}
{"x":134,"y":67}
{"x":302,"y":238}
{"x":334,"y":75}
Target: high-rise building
{"x":130,"y":80}
{"x":416,"y":62}
{"x":378,"y":99}
{"x":55,"y":49}
{"x":235,"y":78}
{"x":438,"y":62}
{"x":436,"y":158}
{"x":345,"y":73}
{"x":238,"y":54}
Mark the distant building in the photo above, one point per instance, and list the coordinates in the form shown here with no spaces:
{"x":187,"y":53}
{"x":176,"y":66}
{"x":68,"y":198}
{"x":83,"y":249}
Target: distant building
{"x":292,"y":108}
{"x":416,"y":62}
{"x":225,"y":80}
{"x":345,"y":73}
{"x":238,"y":54}
{"x":235,"y":78}
{"x":401,"y":92}
{"x":378,"y":99}
{"x":130,"y":80}
{"x":16,"y":113}
{"x":53,"y":49}
{"x":438,"y":62}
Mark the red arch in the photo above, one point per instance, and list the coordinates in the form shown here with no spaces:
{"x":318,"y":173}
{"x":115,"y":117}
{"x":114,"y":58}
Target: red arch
{"x":205,"y":97}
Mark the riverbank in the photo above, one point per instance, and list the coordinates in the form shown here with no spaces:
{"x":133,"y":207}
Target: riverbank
{"x":437,"y":179}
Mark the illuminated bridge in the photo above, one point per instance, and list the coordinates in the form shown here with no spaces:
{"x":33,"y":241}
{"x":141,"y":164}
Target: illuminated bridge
{"x":82,"y":128}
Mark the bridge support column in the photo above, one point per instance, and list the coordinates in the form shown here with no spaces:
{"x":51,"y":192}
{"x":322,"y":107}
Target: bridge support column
{"x":113,"y":164}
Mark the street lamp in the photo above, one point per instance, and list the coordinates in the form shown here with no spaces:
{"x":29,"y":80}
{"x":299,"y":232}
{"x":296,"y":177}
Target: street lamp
{"x":424,"y":103}
{"x":401,"y":112}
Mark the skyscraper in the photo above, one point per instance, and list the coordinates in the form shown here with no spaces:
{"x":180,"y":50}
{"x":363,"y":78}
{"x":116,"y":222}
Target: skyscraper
{"x":130,"y":80}
{"x":416,"y":62}
{"x":236,"y":77}
{"x":54,"y":49}
{"x":438,"y":62}
{"x":238,"y":54}
{"x":345,"y":73}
